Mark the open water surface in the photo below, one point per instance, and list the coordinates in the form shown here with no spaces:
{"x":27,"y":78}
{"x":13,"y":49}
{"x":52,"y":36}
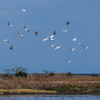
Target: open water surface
{"x":49,"y":97}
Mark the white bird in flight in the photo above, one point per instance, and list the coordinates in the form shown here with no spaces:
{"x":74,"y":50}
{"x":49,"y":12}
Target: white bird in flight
{"x":52,"y":45}
{"x":24,"y":26}
{"x":45,"y":39}
{"x":52,"y":36}
{"x":27,"y":29}
{"x":71,"y":49}
{"x":20,"y":35}
{"x":73,"y":39}
{"x":23,"y":10}
{"x":64,"y":30}
{"x":68,"y":61}
{"x":6,"y":40}
{"x":57,"y":47}
{"x":51,"y":39}
{"x":9,"y":25}
{"x":83,"y":46}
{"x":79,"y":43}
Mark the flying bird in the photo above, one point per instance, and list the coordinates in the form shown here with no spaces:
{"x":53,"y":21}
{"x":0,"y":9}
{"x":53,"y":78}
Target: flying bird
{"x":54,"y":32}
{"x":85,"y":47}
{"x":6,"y":40}
{"x":52,"y":45}
{"x":68,"y":61}
{"x":11,"y":48}
{"x":23,"y":10}
{"x":45,"y":39}
{"x":57,"y":47}
{"x":15,"y":35}
{"x":51,"y":39}
{"x":73,"y":39}
{"x":16,"y":47}
{"x":27,"y":29}
{"x":68,"y":23}
{"x":36,"y":33}
{"x":24,"y":26}
{"x":98,"y":36}
{"x":52,"y":36}
{"x":20,"y":35}
{"x":64,"y":30}
{"x":9,"y":25}
{"x":71,"y":49}
{"x":79,"y":43}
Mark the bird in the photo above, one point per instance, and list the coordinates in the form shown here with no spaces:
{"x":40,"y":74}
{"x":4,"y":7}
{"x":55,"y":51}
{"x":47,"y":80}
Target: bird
{"x":36,"y":33}
{"x":64,"y":30}
{"x":71,"y":49}
{"x":24,"y":26}
{"x":15,"y":35}
{"x":16,"y":47}
{"x":45,"y":39}
{"x":6,"y":40}
{"x":51,"y":39}
{"x":57,"y":47}
{"x":9,"y":25}
{"x":73,"y":39}
{"x":54,"y":32}
{"x":20,"y":35}
{"x":52,"y":36}
{"x":98,"y":36}
{"x":68,"y":23}
{"x":68,"y":61}
{"x":52,"y":45}
{"x":27,"y":29}
{"x":85,"y":47}
{"x":23,"y":10}
{"x":11,"y":48}
{"x":79,"y":43}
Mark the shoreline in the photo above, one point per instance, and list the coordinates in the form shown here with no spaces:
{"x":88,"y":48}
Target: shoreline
{"x":43,"y":92}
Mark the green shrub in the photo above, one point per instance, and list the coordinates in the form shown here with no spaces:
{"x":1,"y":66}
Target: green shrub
{"x":7,"y":75}
{"x":8,"y":87}
{"x":95,"y":75}
{"x":51,"y":74}
{"x":69,"y":74}
{"x":22,"y":74}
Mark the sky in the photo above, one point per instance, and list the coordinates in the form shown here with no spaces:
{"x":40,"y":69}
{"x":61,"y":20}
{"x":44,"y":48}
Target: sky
{"x":45,"y":17}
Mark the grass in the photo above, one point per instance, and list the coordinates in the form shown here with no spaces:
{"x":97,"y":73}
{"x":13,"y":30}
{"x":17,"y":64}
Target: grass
{"x":18,"y":91}
{"x":54,"y":82}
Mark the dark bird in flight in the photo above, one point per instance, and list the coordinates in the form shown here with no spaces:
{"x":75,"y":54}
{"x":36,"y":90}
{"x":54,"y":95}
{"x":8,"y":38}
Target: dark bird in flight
{"x":36,"y":33}
{"x":68,"y":23}
{"x":11,"y":48}
{"x":54,"y":32}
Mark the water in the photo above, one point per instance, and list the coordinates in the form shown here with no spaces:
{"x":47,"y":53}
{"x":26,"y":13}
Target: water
{"x":50,"y":97}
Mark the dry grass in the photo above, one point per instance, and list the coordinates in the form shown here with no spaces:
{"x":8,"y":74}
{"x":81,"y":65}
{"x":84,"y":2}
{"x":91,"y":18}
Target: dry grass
{"x":48,"y":82}
{"x":2,"y":91}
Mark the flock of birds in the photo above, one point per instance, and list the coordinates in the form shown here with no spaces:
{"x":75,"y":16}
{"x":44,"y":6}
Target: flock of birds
{"x":46,"y":39}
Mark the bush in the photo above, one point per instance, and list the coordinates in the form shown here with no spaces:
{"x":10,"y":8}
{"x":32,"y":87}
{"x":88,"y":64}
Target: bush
{"x":7,"y":75}
{"x":51,"y":74}
{"x":95,"y":75}
{"x":22,"y":74}
{"x":69,"y":74}
{"x":9,"y":87}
